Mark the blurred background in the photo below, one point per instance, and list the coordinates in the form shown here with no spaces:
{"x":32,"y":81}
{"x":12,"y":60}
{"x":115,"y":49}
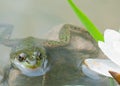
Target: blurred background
{"x":37,"y":17}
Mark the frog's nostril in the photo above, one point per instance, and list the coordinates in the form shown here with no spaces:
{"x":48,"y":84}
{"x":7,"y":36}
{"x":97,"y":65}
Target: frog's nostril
{"x":31,"y":62}
{"x":33,"y":57}
{"x":27,"y":61}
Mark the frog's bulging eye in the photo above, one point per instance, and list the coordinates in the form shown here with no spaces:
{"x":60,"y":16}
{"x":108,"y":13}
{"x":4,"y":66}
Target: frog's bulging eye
{"x":22,"y":57}
{"x":38,"y":54}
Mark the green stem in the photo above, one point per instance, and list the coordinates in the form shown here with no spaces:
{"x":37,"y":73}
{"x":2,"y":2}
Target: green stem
{"x":92,"y":29}
{"x":111,"y":81}
{"x":87,"y":23}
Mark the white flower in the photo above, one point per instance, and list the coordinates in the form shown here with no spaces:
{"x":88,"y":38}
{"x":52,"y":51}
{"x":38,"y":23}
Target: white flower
{"x":111,"y":48}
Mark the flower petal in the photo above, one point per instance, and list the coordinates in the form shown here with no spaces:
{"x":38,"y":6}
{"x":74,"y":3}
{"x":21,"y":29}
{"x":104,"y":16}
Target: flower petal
{"x":102,"y":66}
{"x":111,"y":35}
{"x":90,"y":73}
{"x":110,"y":52}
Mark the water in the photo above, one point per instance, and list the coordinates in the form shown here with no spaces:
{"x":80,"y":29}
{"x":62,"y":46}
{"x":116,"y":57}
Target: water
{"x":37,"y":17}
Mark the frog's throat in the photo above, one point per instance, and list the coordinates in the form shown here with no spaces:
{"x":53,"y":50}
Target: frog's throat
{"x":38,"y":71}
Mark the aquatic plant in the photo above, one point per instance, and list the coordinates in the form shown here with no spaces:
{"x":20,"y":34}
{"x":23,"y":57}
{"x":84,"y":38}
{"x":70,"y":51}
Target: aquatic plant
{"x":111,"y":40}
{"x":110,"y":48}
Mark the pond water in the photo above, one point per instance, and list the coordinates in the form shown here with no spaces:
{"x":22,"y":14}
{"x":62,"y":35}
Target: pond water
{"x":37,"y":17}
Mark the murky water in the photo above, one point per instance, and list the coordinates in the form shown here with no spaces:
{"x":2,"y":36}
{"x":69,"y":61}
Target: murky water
{"x":37,"y":17}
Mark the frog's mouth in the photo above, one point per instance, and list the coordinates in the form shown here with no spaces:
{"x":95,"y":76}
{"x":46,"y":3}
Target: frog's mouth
{"x":32,"y":69}
{"x":32,"y":64}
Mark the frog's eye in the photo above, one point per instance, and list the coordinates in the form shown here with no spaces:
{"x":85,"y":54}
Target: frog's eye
{"x":37,"y":54}
{"x":22,"y":57}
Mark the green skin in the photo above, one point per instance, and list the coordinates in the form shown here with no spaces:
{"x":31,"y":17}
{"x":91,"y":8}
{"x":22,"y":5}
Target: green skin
{"x":64,"y":59}
{"x":29,"y":55}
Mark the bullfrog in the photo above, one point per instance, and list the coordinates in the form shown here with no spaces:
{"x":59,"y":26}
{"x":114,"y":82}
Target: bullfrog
{"x":48,"y":62}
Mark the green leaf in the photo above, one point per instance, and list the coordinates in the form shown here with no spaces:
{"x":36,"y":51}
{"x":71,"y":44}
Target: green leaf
{"x":92,"y":29}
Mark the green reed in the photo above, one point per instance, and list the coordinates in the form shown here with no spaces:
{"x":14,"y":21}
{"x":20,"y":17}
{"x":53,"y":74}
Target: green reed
{"x":92,"y":29}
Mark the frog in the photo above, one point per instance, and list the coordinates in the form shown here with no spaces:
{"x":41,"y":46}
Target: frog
{"x":48,"y":62}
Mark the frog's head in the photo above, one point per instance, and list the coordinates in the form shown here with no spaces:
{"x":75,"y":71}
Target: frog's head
{"x":29,"y":58}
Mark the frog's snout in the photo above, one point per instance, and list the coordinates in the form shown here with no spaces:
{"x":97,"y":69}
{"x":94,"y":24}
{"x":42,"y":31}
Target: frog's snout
{"x":31,"y":62}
